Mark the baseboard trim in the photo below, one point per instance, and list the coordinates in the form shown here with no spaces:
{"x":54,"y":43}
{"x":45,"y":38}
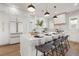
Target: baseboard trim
{"x":8,"y":44}
{"x":73,"y":41}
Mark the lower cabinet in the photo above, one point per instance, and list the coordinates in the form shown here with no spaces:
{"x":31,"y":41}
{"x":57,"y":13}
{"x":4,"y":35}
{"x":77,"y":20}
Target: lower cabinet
{"x":14,"y":38}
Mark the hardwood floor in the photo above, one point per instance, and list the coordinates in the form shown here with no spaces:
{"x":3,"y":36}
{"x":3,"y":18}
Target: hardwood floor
{"x":10,"y":50}
{"x":14,"y":50}
{"x":74,"y":49}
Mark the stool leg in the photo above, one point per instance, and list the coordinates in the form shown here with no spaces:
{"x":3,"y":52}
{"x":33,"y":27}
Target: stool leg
{"x":56,"y":50}
{"x":68,"y":43}
{"x":36,"y":52}
{"x":44,"y":54}
{"x":52,"y":52}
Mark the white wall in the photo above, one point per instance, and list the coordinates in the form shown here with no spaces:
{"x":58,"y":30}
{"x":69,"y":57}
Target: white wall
{"x":74,"y":33}
{"x":4,"y":35}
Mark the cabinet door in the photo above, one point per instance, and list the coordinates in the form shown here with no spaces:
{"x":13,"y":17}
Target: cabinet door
{"x":12,"y":27}
{"x":14,"y":38}
{"x":20,"y":27}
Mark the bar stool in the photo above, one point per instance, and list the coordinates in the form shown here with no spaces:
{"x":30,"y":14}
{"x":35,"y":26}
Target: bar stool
{"x":67,"y":42}
{"x":58,"y":47}
{"x":64,"y":44}
{"x":44,"y":49}
{"x":61,"y":38}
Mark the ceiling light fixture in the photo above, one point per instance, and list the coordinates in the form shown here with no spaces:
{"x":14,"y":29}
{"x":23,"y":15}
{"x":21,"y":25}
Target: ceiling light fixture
{"x":55,"y":13}
{"x":75,"y":4}
{"x":31,"y":8}
{"x":54,"y":16}
{"x":46,"y":13}
{"x":13,"y":10}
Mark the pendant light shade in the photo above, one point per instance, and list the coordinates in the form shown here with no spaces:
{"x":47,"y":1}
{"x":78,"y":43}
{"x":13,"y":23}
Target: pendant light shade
{"x":31,"y":8}
{"x":46,"y":13}
{"x":54,"y":16}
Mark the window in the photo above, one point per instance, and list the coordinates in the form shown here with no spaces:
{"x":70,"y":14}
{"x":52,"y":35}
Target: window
{"x":73,"y":23}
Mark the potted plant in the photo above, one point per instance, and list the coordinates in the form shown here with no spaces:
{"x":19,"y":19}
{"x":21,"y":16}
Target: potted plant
{"x":39,"y":25}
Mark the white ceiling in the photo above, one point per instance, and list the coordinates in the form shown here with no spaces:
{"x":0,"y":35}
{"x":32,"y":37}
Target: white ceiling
{"x":42,"y":7}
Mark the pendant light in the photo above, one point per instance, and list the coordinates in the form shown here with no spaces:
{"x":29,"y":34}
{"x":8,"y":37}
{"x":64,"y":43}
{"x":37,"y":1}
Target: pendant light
{"x":55,"y":12}
{"x":46,"y":13}
{"x":31,"y":8}
{"x":55,"y":16}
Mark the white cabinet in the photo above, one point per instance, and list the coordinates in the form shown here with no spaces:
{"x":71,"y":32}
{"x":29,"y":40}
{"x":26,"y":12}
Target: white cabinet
{"x":16,"y":28}
{"x":4,"y":38}
{"x":12,"y":27}
{"x":14,"y":38}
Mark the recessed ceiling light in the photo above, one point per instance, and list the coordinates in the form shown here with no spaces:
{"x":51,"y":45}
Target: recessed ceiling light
{"x":75,"y":4}
{"x":13,"y":10}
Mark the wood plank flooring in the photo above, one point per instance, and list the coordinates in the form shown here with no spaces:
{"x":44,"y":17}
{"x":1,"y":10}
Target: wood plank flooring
{"x":14,"y":50}
{"x":74,"y":49}
{"x":10,"y":50}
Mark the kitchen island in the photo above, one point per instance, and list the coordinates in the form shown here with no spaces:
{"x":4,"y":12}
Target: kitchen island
{"x":28,"y":43}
